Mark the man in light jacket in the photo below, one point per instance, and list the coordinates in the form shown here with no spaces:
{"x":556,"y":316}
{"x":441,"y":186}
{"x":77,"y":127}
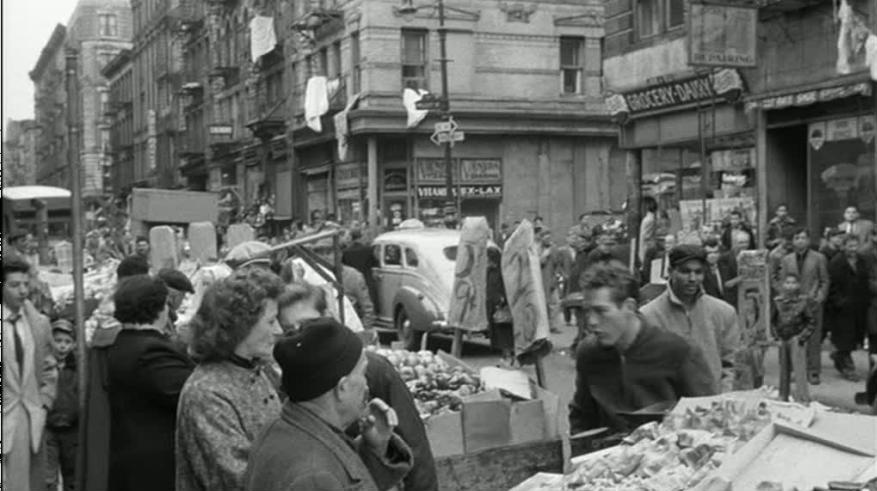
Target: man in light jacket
{"x":29,"y":380}
{"x":707,"y":323}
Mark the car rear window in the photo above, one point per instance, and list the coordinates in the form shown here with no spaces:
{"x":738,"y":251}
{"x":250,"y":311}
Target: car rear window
{"x":450,"y":253}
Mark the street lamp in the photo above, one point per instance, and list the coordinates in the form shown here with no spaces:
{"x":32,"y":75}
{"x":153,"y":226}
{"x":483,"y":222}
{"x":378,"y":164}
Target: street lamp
{"x":407,"y":12}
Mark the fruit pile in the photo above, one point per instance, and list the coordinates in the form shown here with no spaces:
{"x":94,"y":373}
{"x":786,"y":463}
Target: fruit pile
{"x":436,"y":386}
{"x":674,"y":455}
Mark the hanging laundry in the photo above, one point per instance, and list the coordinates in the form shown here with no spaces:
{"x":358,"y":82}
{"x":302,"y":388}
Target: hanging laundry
{"x":262,"y":36}
{"x":871,"y":55}
{"x":844,"y":43}
{"x":316,"y":102}
{"x":332,"y":87}
{"x":342,"y":129}
{"x":409,"y":100}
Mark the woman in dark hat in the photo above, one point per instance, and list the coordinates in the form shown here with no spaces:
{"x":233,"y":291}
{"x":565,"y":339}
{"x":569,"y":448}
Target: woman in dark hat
{"x":231,"y":395}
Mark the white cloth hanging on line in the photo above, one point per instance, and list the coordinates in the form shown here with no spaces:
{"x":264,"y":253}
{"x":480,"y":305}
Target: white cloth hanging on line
{"x":409,"y":100}
{"x":262,"y":36}
{"x":342,"y":129}
{"x":316,"y":102}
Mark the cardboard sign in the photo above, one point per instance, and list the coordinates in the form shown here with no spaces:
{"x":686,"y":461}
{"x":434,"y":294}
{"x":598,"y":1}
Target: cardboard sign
{"x":164,"y":252}
{"x":202,"y":242}
{"x":468,"y":308}
{"x":753,"y":316}
{"x":239,"y":233}
{"x":522,"y":277}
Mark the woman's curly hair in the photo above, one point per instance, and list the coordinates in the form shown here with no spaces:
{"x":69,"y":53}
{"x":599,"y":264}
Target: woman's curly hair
{"x":228,"y":312}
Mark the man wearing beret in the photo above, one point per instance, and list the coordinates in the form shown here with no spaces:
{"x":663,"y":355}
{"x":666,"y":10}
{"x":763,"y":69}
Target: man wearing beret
{"x":306,"y":448}
{"x":706,"y":322}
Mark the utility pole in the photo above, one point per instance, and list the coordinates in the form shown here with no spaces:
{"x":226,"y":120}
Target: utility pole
{"x":450,"y":203}
{"x":72,"y":87}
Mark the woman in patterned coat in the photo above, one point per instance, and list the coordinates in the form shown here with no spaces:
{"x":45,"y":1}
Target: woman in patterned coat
{"x":231,"y":394}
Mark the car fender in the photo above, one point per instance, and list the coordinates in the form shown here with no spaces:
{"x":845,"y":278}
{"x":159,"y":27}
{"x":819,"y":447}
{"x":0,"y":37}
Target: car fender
{"x":421,"y":309}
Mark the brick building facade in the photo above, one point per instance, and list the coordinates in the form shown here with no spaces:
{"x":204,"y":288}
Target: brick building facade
{"x":50,"y":112}
{"x":703,"y":140}
{"x":19,"y":152}
{"x":120,"y":113}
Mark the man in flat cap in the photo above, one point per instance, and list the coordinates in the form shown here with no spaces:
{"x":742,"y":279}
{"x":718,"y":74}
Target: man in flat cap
{"x":706,"y":322}
{"x":249,"y":254}
{"x":306,"y":448}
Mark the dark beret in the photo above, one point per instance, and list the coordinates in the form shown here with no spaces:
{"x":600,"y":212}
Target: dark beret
{"x":176,"y":279}
{"x":315,"y":358}
{"x":132,"y":266}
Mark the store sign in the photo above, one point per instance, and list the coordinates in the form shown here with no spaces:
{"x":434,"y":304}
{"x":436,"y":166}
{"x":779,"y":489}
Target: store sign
{"x":465,"y":191}
{"x":395,"y":180}
{"x":722,"y":35}
{"x":816,"y":135}
{"x":703,"y":88}
{"x":866,"y":128}
{"x":809,"y":97}
{"x":348,"y":175}
{"x":432,"y":170}
{"x":481,"y":170}
{"x":842,"y":129}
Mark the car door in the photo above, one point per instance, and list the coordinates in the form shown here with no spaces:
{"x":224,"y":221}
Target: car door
{"x":388,"y":278}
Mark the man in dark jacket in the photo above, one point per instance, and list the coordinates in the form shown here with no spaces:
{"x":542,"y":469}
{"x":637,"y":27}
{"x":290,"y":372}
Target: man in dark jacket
{"x":361,"y":257}
{"x":301,"y":303}
{"x":627,"y":364}
{"x":847,"y":305}
{"x":137,"y":373}
{"x":305,"y":449}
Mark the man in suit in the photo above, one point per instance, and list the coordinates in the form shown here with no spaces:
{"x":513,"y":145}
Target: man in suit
{"x":29,"y":380}
{"x":361,"y":257}
{"x":847,"y":307}
{"x":727,"y":266}
{"x":811,"y":268}
{"x":854,"y":225}
{"x":713,"y":283}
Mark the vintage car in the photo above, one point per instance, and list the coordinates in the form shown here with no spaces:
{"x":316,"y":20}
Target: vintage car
{"x":414,"y":279}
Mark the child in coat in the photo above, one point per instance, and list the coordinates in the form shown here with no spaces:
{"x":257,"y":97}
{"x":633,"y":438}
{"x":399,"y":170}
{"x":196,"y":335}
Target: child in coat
{"x":62,"y":421}
{"x":793,"y":323}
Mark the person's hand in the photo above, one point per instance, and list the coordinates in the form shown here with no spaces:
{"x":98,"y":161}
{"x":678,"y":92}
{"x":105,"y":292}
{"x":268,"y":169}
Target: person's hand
{"x":377,"y":426}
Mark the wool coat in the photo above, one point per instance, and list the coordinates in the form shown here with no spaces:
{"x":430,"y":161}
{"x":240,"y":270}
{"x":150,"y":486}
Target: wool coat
{"x":145,"y":372}
{"x":223,"y":408}
{"x":848,"y":302}
{"x":300,"y":451}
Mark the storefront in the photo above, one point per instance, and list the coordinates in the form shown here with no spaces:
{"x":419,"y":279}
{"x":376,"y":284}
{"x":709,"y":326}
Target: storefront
{"x":349,"y":186}
{"x":694,"y":148}
{"x":477,"y":188}
{"x":396,"y":205}
{"x":819,"y":150}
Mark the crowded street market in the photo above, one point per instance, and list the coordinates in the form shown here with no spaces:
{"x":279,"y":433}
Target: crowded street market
{"x":590,"y":245}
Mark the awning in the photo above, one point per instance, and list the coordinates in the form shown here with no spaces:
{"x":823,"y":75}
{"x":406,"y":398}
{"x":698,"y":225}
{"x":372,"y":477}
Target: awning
{"x":855,"y":85}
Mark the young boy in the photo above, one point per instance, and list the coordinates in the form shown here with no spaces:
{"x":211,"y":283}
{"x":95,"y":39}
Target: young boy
{"x":793,"y":324}
{"x":62,"y":425}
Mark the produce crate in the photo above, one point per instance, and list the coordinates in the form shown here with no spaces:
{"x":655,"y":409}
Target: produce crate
{"x":488,"y":420}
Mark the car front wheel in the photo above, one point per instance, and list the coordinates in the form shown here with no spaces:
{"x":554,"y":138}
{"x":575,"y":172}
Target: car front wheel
{"x":407,"y":334}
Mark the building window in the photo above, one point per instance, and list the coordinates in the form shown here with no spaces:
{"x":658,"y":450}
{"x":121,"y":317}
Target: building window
{"x":355,"y":63}
{"x":675,"y":13}
{"x":571,"y":49}
{"x":324,"y":62}
{"x":414,"y":59}
{"x":647,"y":17}
{"x":108,"y":26}
{"x":336,"y":60}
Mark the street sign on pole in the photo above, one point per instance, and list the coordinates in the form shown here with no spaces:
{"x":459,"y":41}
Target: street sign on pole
{"x":429,"y":102}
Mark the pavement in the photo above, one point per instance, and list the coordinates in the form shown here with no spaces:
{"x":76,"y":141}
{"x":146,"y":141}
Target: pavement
{"x":834,"y":390}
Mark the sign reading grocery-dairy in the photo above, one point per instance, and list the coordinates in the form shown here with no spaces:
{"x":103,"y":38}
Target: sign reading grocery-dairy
{"x":465,"y":191}
{"x":701,"y":88}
